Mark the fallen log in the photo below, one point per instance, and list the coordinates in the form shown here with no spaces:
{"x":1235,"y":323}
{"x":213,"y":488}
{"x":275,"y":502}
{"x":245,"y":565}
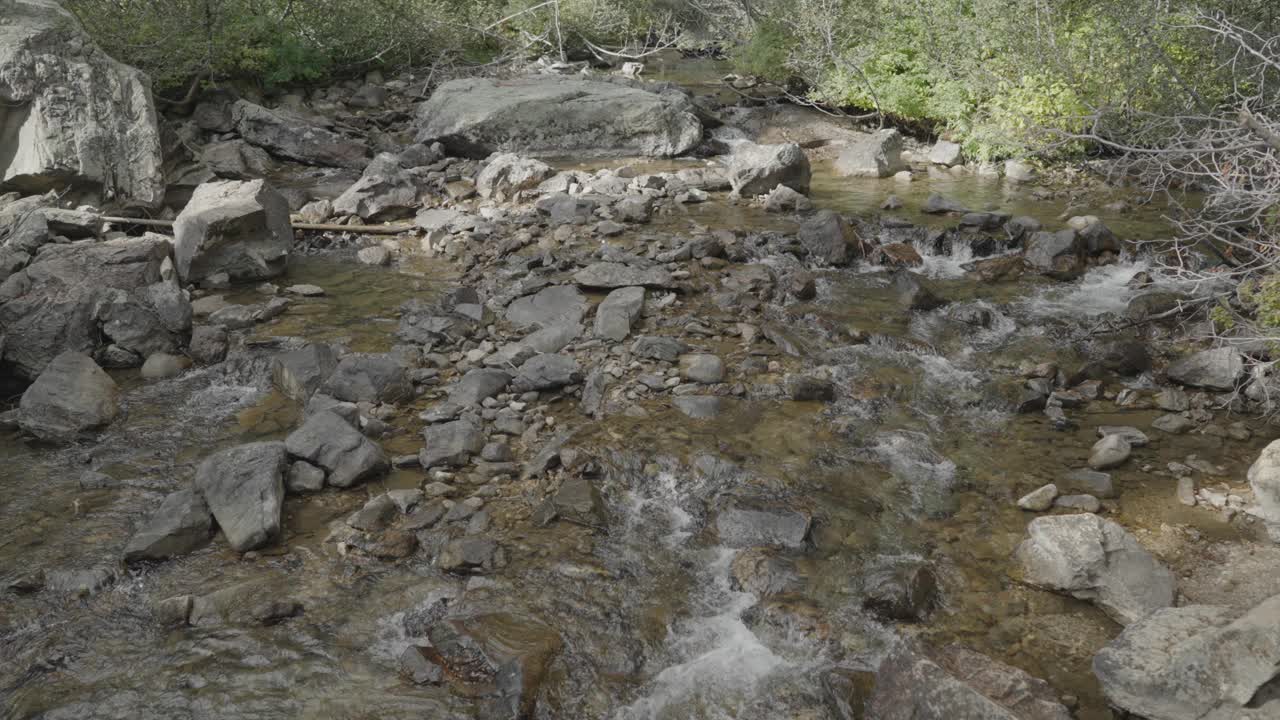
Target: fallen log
{"x":314,"y":227}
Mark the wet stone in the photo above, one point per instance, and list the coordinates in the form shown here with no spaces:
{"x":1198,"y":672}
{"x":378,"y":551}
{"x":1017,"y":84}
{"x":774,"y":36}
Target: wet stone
{"x":904,"y":590}
{"x":658,"y":348}
{"x":1083,"y":503}
{"x":1092,"y":482}
{"x":1132,"y":435}
{"x":748,"y":525}
{"x":376,"y":514}
{"x":415,"y":665}
{"x":469,"y":555}
{"x":702,"y":368}
{"x":1039,"y":500}
{"x":330,"y":442}
{"x":1173,"y":424}
{"x":1109,"y":452}
{"x":701,"y":407}
{"x":1186,"y":491}
{"x":181,"y":524}
{"x":304,"y":477}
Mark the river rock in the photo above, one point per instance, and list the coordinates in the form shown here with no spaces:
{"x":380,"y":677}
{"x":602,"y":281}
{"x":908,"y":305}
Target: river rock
{"x":181,"y":524}
{"x":703,"y":368}
{"x":1092,"y":482}
{"x":300,"y":373}
{"x":876,"y":155}
{"x":764,"y":572}
{"x":784,"y":199}
{"x":913,"y":294}
{"x":450,"y":444}
{"x":244,"y":488}
{"x":478,"y":385}
{"x":742,"y":524}
{"x":546,"y":372}
{"x":1083,"y":503}
{"x":830,"y":239}
{"x":468,"y":555}
{"x":653,"y":347}
{"x":304,"y":477}
{"x":159,"y":366}
{"x":238,"y":228}
{"x":1111,"y":451}
{"x":84,"y":297}
{"x":1132,"y":435}
{"x":508,"y":173}
{"x":257,"y":602}
{"x":617,"y":275}
{"x":71,"y":396}
{"x":385,"y":191}
{"x":758,"y":169}
{"x":903,"y":589}
{"x":369,"y":378}
{"x":1173,"y":423}
{"x":1039,"y":500}
{"x":946,"y":153}
{"x":292,"y":137}
{"x":71,"y":114}
{"x":618,"y":312}
{"x":1194,"y":662}
{"x":957,"y":684}
{"x":1060,"y":254}
{"x":555,"y":305}
{"x":557,"y":116}
{"x":1264,"y":479}
{"x":1093,"y":559}
{"x":939,"y":204}
{"x":1217,"y":369}
{"x":330,"y":442}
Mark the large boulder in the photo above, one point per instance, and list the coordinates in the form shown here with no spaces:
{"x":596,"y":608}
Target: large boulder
{"x":244,"y":488}
{"x":293,"y":137}
{"x":1059,"y":254}
{"x":329,"y":442}
{"x":758,"y":169}
{"x":71,"y":396}
{"x":550,"y":116}
{"x":238,"y":228}
{"x":88,"y":297}
{"x":1216,"y":369}
{"x":876,"y":155}
{"x":955,"y":683}
{"x":69,"y":114}
{"x":1195,"y":662}
{"x":1093,"y":559}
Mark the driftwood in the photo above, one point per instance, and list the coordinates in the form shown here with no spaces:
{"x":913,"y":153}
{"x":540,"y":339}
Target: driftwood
{"x":314,"y":227}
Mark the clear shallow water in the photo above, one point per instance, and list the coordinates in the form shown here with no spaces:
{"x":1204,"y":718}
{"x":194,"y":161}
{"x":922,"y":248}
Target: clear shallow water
{"x":916,"y":459}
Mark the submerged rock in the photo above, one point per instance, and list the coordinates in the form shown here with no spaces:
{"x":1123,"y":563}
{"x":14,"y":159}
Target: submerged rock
{"x":557,"y":116}
{"x":1094,"y":559}
{"x":71,"y":396}
{"x":741,"y":524}
{"x":244,"y":488}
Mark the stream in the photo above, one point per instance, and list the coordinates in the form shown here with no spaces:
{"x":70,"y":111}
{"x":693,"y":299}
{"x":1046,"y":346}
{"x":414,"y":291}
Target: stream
{"x":916,"y":463}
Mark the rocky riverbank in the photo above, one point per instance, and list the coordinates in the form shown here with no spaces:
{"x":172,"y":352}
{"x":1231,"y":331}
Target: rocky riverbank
{"x":596,"y":432}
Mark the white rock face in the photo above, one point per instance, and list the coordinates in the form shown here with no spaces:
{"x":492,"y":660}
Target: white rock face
{"x":70,"y":115}
{"x":1093,"y":559}
{"x":1264,"y":478}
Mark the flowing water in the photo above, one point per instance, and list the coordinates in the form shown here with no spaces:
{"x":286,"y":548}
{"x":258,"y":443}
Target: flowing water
{"x":916,"y":461}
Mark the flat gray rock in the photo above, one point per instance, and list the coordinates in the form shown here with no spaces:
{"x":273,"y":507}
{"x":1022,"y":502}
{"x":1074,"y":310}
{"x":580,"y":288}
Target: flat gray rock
{"x":330,"y":442}
{"x":181,"y":524}
{"x":244,"y":488}
{"x":555,"y":305}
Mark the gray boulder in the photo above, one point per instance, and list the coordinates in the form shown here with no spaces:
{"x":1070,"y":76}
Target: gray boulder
{"x":618,"y":312}
{"x":565,"y":209}
{"x":758,"y":169}
{"x":244,"y":488}
{"x":84,"y":297}
{"x":1056,"y":253}
{"x":1217,"y":369}
{"x":830,"y":240}
{"x":181,"y":524}
{"x":238,"y":228}
{"x":617,"y":275}
{"x":1194,"y":662}
{"x":546,"y":372}
{"x":71,"y":396}
{"x":1109,"y":452}
{"x":477,"y":385}
{"x":292,"y":137}
{"x":369,"y":378}
{"x":450,"y":444}
{"x":385,"y":191}
{"x":508,"y":174}
{"x":208,"y":344}
{"x":555,"y":305}
{"x":702,"y":368}
{"x":236,"y":160}
{"x":300,"y":373}
{"x":876,"y":155}
{"x":1093,"y":559}
{"x":957,"y":684}
{"x":652,"y":347}
{"x":329,"y":442}
{"x":946,"y":153}
{"x":552,"y":116}
{"x":70,"y":115}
